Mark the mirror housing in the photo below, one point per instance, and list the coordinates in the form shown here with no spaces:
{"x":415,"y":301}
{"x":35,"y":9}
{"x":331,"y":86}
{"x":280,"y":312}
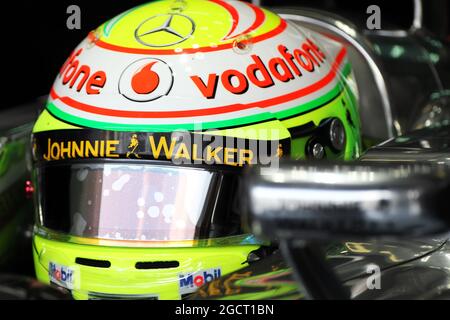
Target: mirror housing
{"x":332,"y":201}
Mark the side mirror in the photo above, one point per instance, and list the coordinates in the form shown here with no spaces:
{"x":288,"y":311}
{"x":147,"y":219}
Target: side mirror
{"x":330,"y":201}
{"x":304,"y":204}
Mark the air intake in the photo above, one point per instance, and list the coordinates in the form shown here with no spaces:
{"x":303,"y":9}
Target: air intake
{"x":93,"y":262}
{"x":157,"y":265}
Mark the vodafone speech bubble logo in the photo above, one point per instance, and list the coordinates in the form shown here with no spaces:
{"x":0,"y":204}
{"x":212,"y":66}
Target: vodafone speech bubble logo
{"x":146,"y":80}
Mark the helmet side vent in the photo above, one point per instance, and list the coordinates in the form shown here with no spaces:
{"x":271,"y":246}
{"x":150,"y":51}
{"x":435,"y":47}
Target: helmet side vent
{"x":93,"y":262}
{"x":157,"y":265}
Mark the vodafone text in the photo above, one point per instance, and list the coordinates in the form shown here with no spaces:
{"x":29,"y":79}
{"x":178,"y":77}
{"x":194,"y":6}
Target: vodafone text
{"x":72,"y":73}
{"x":284,"y":68}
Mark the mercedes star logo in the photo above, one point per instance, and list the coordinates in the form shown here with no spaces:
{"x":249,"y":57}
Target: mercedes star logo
{"x":164,"y":30}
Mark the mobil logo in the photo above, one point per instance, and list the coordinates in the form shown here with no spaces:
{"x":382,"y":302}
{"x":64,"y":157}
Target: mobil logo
{"x":191,"y":281}
{"x":146,"y":80}
{"x":61,"y":275}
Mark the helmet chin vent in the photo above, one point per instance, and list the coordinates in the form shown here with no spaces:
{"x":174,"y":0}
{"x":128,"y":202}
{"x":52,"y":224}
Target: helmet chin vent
{"x":93,"y":262}
{"x":157,"y":265}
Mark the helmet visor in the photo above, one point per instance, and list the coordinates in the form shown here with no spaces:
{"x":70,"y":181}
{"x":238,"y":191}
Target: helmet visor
{"x":136,"y":202}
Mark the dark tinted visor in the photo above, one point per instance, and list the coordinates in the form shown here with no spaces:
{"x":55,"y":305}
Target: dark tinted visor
{"x":137,"y":202}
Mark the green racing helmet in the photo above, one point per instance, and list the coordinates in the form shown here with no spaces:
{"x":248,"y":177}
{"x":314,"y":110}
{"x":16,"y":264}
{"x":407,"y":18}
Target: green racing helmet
{"x":139,"y":150}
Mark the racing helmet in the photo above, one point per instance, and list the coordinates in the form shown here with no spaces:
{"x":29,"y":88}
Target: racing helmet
{"x":139,"y":150}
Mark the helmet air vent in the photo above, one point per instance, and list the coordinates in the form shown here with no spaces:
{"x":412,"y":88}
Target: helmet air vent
{"x":93,"y":262}
{"x":157,"y":265}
